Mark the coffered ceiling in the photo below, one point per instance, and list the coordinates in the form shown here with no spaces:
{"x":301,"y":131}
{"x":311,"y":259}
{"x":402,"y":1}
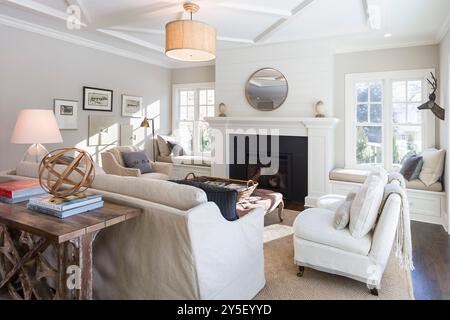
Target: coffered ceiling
{"x":135,"y":28}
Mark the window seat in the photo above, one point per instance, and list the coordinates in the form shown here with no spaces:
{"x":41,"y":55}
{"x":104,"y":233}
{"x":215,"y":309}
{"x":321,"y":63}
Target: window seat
{"x":427,"y":204}
{"x":359,"y":176}
{"x":187,"y":160}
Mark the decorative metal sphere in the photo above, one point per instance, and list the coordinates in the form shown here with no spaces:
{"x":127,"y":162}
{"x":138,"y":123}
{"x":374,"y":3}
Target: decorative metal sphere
{"x":66,"y":172}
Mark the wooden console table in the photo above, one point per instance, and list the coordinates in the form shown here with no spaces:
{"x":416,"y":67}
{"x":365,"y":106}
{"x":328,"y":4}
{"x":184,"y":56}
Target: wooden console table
{"x":27,"y":273}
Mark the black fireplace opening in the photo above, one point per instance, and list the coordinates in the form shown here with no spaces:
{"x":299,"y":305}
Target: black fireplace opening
{"x":291,"y":178}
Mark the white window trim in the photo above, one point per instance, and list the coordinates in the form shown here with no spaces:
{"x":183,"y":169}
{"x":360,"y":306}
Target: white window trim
{"x":175,"y":105}
{"x":429,"y":122}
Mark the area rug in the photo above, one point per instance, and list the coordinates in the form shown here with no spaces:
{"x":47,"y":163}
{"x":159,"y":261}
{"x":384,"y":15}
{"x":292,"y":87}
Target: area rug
{"x":282,"y":282}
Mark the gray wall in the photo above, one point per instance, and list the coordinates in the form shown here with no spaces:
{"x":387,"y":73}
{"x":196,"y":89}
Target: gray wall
{"x":194,"y":75}
{"x":375,"y":61}
{"x":35,"y":69}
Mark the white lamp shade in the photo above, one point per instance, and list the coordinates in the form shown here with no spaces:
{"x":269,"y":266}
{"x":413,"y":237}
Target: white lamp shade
{"x":36,"y":126}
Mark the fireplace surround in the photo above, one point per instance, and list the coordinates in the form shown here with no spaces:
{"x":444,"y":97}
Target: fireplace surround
{"x":320,"y":140}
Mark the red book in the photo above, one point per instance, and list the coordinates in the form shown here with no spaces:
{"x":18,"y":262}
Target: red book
{"x":17,"y":188}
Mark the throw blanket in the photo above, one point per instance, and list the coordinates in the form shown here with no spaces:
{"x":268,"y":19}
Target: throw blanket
{"x":403,"y":244}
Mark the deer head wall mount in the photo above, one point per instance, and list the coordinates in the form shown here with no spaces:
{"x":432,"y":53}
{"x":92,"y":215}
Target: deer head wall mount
{"x":431,"y":104}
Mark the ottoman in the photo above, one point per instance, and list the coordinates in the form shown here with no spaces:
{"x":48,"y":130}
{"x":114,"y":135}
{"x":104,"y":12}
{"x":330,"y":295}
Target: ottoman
{"x":267,"y":199}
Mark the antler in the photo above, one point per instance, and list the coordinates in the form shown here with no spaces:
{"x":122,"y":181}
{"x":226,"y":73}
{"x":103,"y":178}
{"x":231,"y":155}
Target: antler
{"x":433,"y":84}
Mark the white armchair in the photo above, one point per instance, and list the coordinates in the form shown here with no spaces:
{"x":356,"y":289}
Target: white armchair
{"x":318,"y":245}
{"x":112,"y":163}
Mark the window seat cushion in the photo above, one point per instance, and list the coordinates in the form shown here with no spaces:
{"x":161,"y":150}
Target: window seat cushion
{"x":359,"y":176}
{"x":187,"y":160}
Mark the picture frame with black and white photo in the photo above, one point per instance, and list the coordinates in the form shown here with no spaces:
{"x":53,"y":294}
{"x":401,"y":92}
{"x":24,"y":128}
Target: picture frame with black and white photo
{"x":66,"y":114}
{"x":131,"y":106}
{"x":96,"y":99}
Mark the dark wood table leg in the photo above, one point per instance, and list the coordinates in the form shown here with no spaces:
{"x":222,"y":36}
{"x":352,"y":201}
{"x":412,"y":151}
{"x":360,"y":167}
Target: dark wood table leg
{"x":75,"y":260}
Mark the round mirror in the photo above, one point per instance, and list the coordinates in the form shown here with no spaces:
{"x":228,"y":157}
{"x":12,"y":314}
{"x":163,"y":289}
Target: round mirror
{"x":267,"y":89}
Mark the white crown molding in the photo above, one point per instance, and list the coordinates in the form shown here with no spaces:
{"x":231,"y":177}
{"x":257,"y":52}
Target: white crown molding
{"x":443,"y":30}
{"x":386,"y":46}
{"x":51,"y":33}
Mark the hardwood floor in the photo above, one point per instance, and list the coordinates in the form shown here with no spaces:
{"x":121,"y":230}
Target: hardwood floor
{"x":431,"y":252}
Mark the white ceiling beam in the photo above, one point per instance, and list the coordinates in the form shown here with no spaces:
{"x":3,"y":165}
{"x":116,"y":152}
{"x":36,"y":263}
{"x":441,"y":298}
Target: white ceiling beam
{"x":138,"y":30}
{"x":236,"y":40}
{"x":255,"y":9}
{"x":162,"y":32}
{"x":282,"y":22}
{"x":138,"y":15}
{"x":41,"y":8}
{"x":131,"y":39}
{"x":84,"y":12}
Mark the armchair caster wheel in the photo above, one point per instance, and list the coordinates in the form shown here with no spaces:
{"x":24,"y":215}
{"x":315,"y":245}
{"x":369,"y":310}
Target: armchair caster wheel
{"x":374,"y":292}
{"x":301,"y":271}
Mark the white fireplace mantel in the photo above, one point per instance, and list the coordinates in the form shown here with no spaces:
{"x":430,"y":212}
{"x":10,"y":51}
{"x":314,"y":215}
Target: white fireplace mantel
{"x":320,"y":145}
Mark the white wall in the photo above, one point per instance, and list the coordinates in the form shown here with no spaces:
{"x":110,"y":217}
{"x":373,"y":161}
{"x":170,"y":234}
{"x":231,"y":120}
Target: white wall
{"x":194,"y":75}
{"x":308,"y":67}
{"x":444,"y":50}
{"x":411,"y":58}
{"x":35,"y":69}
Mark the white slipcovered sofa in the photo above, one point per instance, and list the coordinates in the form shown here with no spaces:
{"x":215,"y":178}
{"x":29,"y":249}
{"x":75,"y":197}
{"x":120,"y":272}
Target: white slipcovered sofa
{"x":179,"y":248}
{"x":318,"y":245}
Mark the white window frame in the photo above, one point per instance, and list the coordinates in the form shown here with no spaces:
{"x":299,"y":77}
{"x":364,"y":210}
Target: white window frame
{"x":176,"y":88}
{"x":428,"y":120}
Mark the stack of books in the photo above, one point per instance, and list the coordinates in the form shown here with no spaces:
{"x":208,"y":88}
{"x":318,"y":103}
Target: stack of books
{"x":15,"y":191}
{"x":66,"y":207}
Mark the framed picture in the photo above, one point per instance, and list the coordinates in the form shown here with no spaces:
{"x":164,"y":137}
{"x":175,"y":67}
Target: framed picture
{"x":97,"y":99}
{"x":131,"y":106}
{"x":66,"y":114}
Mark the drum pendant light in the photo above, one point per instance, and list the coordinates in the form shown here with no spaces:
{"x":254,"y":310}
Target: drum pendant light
{"x":189,"y":40}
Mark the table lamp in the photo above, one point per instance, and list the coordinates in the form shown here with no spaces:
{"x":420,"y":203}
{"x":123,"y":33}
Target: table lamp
{"x":35,"y":127}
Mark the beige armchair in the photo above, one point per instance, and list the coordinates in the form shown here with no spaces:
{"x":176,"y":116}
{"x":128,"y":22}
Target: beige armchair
{"x":112,"y":163}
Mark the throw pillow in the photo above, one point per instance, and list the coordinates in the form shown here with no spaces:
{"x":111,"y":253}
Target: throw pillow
{"x":137,"y":160}
{"x":364,"y":209}
{"x":380,"y":172}
{"x":342,"y":214}
{"x":433,"y":166}
{"x":412,"y":167}
{"x":163,"y":146}
{"x":176,"y":149}
{"x":224,"y":198}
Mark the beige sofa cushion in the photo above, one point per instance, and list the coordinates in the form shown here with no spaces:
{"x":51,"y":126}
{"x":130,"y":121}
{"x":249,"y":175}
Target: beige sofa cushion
{"x":170,"y":194}
{"x":31,"y":170}
{"x":419,"y":185}
{"x":349,"y":175}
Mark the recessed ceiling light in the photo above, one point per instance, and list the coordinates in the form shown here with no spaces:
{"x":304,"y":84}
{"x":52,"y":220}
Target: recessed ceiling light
{"x":388,"y":35}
